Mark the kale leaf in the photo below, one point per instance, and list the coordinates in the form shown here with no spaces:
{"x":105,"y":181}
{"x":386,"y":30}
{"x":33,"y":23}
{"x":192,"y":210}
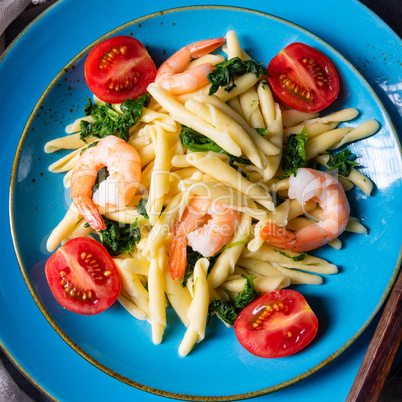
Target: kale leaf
{"x":109,"y":122}
{"x":342,"y":162}
{"x":224,"y":73}
{"x":119,"y":238}
{"x":294,"y":155}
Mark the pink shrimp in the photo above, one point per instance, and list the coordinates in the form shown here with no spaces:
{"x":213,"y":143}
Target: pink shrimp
{"x":326,"y":190}
{"x":123,"y":164}
{"x":206,"y":226}
{"x":171,"y":75}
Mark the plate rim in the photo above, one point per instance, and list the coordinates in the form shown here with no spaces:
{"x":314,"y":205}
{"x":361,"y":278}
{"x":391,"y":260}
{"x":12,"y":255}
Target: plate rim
{"x":24,"y":271}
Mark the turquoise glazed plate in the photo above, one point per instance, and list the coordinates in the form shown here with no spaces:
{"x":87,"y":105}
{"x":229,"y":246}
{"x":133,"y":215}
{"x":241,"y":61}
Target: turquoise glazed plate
{"x":218,"y":368}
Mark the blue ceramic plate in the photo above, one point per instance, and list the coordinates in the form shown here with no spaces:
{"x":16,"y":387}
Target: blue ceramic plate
{"x":121,"y":346}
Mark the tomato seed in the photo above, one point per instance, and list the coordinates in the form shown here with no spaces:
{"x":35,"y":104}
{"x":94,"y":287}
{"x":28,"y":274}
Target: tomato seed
{"x":295,"y":88}
{"x":110,"y":56}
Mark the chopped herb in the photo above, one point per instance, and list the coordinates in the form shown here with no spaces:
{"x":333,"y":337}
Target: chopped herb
{"x":224,"y":73}
{"x":262,"y":131}
{"x":299,"y":257}
{"x":294,"y":155}
{"x":119,"y":238}
{"x":342,"y":162}
{"x":236,"y":243}
{"x":109,"y":122}
{"x":142,"y":208}
{"x":229,"y":310}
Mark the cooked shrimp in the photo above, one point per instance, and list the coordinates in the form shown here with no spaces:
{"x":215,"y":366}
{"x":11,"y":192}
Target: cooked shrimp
{"x":206,"y":226}
{"x":123,"y":164}
{"x":329,"y":194}
{"x":171,"y":75}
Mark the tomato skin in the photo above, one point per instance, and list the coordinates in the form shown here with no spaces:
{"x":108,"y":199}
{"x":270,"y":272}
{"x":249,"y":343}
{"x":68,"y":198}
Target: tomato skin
{"x":288,"y":328}
{"x":303,"y":78}
{"x":119,"y":68}
{"x":83,"y":276}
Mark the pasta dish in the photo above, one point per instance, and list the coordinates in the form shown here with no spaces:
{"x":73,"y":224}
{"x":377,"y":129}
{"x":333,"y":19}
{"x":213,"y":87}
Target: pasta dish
{"x":210,"y":197}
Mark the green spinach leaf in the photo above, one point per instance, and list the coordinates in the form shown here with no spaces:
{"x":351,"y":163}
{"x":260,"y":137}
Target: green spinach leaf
{"x":223,"y":309}
{"x":294,"y":155}
{"x":109,"y":122}
{"x":224,"y":73}
{"x":229,"y":310}
{"x":119,"y":238}
{"x":247,"y":294}
{"x":197,"y":142}
{"x":342,"y":161}
{"x":142,"y":208}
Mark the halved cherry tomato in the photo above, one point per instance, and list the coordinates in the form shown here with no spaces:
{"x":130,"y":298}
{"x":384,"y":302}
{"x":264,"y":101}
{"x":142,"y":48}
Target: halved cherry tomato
{"x":277,"y":324}
{"x":119,"y":68}
{"x":83,"y":276}
{"x":303,"y":78}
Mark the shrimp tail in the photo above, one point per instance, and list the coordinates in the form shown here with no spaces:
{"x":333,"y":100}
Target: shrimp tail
{"x":178,"y":259}
{"x":199,"y":49}
{"x":172,"y":76}
{"x":278,"y":236}
{"x":89,"y":212}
